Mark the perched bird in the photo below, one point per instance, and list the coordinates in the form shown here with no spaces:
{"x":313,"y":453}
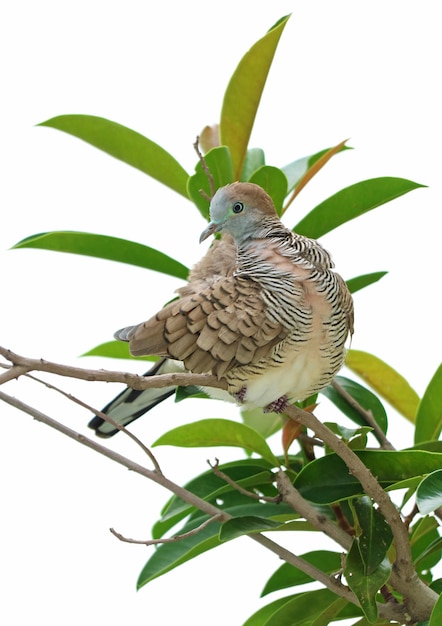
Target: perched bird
{"x":263,"y":309}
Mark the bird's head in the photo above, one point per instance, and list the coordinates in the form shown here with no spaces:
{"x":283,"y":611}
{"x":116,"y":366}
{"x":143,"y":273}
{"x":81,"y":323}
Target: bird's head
{"x":239,"y":209}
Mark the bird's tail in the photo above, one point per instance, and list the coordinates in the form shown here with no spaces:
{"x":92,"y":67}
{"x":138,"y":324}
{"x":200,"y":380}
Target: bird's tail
{"x":131,"y":404}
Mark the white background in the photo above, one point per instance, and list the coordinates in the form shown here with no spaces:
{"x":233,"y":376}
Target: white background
{"x":369,"y":71}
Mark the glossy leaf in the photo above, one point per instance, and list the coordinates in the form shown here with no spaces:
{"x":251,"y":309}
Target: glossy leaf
{"x":365,"y":586}
{"x":359,"y":282}
{"x":333,"y":612}
{"x":289,"y":576}
{"x":261,"y":617}
{"x":219,"y":162}
{"x":191,"y":391}
{"x":104,"y":247}
{"x":388,"y":383}
{"x":425,"y":542}
{"x":116,"y":350}
{"x":217,"y":432}
{"x":274,"y":182}
{"x":243,"y":95}
{"x":436,"y":614}
{"x":351,"y":202}
{"x":429,"y":493}
{"x":374,"y":536}
{"x":246,"y":525}
{"x":255,"y":159}
{"x":429,"y":413}
{"x":365,"y":398}
{"x":305,"y":609}
{"x":126,"y":145}
{"x":327,"y":479}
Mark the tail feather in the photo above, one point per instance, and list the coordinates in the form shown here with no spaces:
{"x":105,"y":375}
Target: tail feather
{"x":131,"y":404}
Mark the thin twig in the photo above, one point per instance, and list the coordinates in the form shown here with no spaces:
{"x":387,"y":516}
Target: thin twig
{"x":115,"y":424}
{"x":367,"y":415}
{"x":180,"y":537}
{"x":237,"y":487}
{"x":206,"y":170}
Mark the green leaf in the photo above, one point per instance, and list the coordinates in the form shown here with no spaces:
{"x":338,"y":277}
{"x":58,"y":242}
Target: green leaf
{"x":365,"y":398}
{"x":436,"y":614}
{"x":219,"y":162}
{"x":246,"y":525}
{"x":425,"y":544}
{"x":365,"y":586}
{"x":255,"y":159}
{"x":126,"y":145}
{"x":274,"y":182}
{"x":330,"y":613}
{"x":305,"y":608}
{"x":116,"y":350}
{"x":105,"y":247}
{"x":260,"y":617}
{"x":217,"y":432}
{"x":289,"y":576}
{"x":266,"y":424}
{"x":429,"y":493}
{"x":351,"y":202}
{"x":429,"y":412}
{"x":182,"y":393}
{"x":243,"y":94}
{"x":327,"y":479}
{"x":375,"y":534}
{"x":359,"y":282}
{"x":388,"y":383}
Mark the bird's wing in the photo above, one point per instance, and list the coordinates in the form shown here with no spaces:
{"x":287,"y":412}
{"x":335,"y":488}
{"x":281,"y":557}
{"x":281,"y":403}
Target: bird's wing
{"x":215,"y":325}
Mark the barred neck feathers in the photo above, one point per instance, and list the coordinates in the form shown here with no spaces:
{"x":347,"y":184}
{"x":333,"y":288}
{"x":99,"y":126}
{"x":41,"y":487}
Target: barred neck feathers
{"x":247,"y":213}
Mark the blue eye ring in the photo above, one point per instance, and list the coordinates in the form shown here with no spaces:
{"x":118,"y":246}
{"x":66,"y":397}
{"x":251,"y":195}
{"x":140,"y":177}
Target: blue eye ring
{"x":238,"y":207}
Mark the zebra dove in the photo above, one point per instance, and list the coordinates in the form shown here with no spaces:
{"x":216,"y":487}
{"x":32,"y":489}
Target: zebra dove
{"x":263,"y":309}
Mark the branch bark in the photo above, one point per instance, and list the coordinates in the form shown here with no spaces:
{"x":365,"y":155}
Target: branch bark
{"x":24,"y":364}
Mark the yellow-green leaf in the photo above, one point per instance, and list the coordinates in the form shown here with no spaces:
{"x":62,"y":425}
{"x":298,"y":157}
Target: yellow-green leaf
{"x":243,"y":94}
{"x":386,"y":381}
{"x":429,"y":413}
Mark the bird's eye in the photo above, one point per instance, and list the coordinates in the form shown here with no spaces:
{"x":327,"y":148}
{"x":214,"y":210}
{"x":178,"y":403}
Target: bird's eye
{"x":238,"y":207}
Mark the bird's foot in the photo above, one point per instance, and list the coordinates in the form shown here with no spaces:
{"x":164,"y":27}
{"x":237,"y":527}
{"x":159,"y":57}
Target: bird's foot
{"x":240,"y":395}
{"x":277,"y":406}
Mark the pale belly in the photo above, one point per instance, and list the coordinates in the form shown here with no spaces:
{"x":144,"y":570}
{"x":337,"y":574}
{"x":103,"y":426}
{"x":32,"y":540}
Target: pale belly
{"x":298,"y":377}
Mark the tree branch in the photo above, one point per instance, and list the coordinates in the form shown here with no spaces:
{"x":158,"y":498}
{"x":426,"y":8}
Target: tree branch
{"x":367,"y":415}
{"x":180,"y":537}
{"x":131,"y":380}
